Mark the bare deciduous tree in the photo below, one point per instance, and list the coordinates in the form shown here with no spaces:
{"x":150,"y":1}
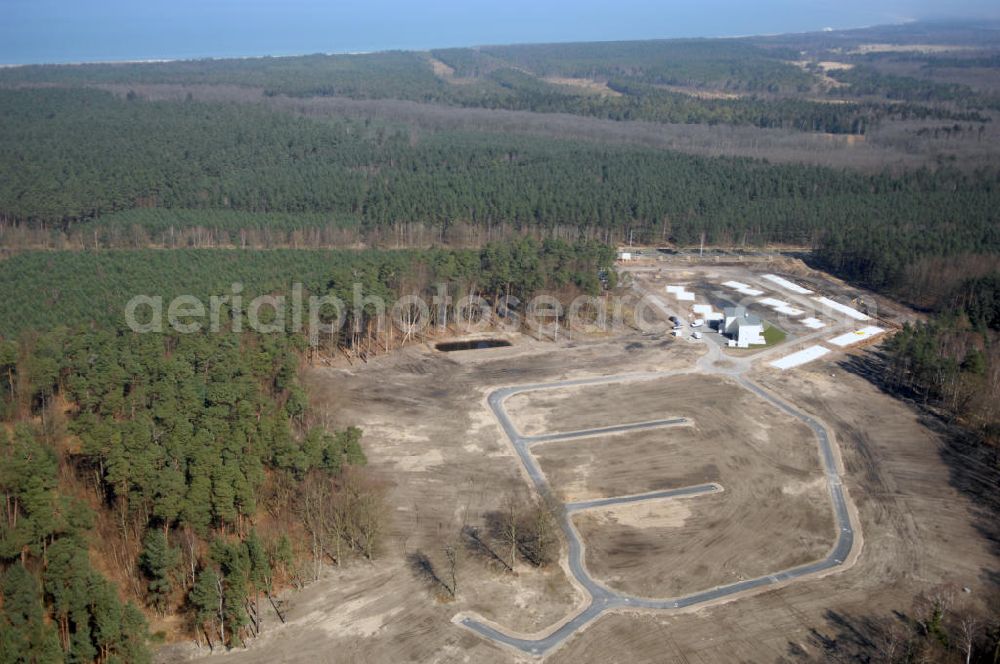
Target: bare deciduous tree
{"x":348,"y":511}
{"x":526,"y":528}
{"x":969,"y":626}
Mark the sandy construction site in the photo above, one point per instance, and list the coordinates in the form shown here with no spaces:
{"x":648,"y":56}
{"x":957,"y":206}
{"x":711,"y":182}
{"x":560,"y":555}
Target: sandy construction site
{"x":773,"y":513}
{"x":663,"y":574}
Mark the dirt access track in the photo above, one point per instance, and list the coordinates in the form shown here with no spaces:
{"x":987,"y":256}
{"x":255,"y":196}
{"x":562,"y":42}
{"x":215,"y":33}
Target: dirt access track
{"x":430,"y":431}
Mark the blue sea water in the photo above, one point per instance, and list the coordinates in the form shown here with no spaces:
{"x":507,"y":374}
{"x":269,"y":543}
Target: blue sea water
{"x":34,"y":31}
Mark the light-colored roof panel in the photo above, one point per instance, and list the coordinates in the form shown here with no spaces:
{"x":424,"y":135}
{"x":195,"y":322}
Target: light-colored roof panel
{"x":786,"y":284}
{"x":842,"y":308}
{"x":801,"y":357}
{"x":857,"y":336}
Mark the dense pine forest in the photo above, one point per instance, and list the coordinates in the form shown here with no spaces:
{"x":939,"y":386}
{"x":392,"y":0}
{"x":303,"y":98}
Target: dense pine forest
{"x":191,"y":465}
{"x":76,"y":155}
{"x":157,"y":454}
{"x":519,"y":268}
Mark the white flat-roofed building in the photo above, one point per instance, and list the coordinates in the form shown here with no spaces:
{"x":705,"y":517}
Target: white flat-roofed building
{"x":743,"y":327}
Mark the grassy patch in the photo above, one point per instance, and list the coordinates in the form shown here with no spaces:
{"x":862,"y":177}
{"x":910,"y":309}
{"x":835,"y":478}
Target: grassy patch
{"x":773,"y":335}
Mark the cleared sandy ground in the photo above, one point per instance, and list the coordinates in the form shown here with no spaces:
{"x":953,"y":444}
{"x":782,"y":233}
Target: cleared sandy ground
{"x":429,"y":433}
{"x":637,"y":462}
{"x":585,"y":84}
{"x":670,"y":550}
{"x":774,"y":512}
{"x":586,"y":407}
{"x":919,"y":530}
{"x":428,"y":430}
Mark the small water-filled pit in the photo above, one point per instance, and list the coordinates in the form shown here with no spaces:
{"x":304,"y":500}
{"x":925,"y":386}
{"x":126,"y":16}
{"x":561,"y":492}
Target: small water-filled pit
{"x":471,"y":344}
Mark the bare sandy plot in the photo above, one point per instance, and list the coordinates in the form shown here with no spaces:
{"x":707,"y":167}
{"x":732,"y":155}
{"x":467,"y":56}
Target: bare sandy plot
{"x":910,"y":48}
{"x":442,"y":69}
{"x":700,"y":93}
{"x":446,"y":72}
{"x":590,"y":406}
{"x":774,"y":512}
{"x":607,"y":466}
{"x":833,"y":65}
{"x":653,"y":514}
{"x":428,"y":432}
{"x":584,"y":84}
{"x":669,"y":550}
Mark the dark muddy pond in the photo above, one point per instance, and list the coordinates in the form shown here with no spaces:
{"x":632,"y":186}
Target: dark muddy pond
{"x":472,"y":344}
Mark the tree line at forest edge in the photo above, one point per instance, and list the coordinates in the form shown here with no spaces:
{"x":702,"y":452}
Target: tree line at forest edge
{"x":160,"y":454}
{"x":942,"y":626}
{"x":518,"y":267}
{"x":953,"y":360}
{"x":191,"y":464}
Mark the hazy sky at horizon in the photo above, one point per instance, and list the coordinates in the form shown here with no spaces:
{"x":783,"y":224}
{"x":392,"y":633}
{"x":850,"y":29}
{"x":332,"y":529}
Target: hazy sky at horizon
{"x":87,"y":30}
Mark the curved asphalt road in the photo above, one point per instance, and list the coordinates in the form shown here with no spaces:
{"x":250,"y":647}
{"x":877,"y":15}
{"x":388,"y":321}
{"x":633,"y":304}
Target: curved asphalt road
{"x":602,"y":598}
